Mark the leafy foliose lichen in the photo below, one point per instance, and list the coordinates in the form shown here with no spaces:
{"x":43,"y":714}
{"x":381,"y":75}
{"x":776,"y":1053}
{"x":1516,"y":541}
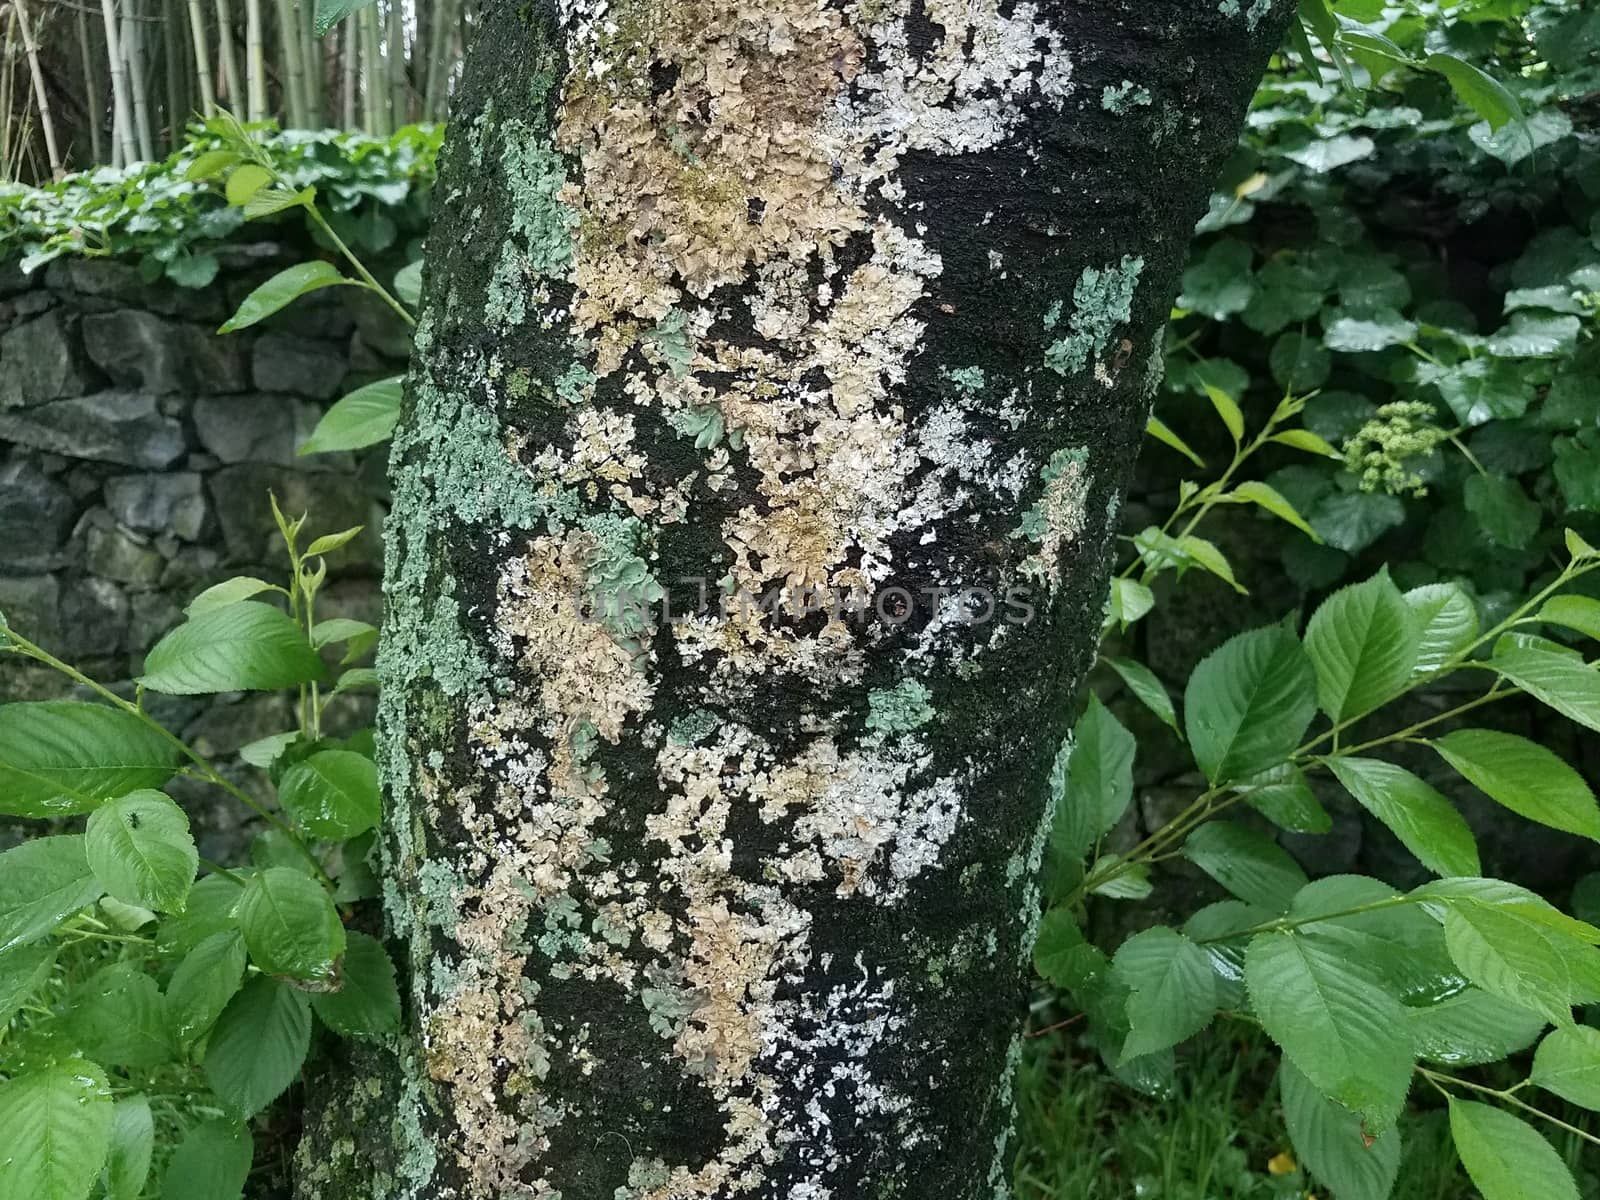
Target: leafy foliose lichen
{"x":1123,"y":97}
{"x":899,"y":709}
{"x":1101,"y":301}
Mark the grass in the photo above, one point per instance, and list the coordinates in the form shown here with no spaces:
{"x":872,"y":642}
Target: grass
{"x":1216,"y":1135}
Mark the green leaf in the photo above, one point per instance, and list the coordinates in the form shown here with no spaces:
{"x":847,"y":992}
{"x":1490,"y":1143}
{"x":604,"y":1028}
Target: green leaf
{"x":133,"y":1134}
{"x":1447,"y":623}
{"x":286,"y":286}
{"x":1502,"y":509}
{"x":1284,"y":798}
{"x":1471,"y":1028}
{"x":365,"y":417}
{"x":367,"y":1004}
{"x":1513,"y":956}
{"x":327,"y":544}
{"x":211,"y":1163}
{"x":333,"y":794}
{"x":1477,"y":89}
{"x":1573,"y":612}
{"x":1217,"y":282}
{"x":1567,"y":1064}
{"x":118,"y":1016}
{"x":1330,"y":1141}
{"x":229,"y":591}
{"x":1438,"y":895}
{"x":203,"y":983}
{"x":1364,"y":642}
{"x":246,"y":646}
{"x":257,"y":1045}
{"x":1099,"y":781}
{"x":1172,"y":993}
{"x":1250,"y":865}
{"x":1248,"y":704}
{"x":1424,"y":821}
{"x":1206,"y":554}
{"x":1344,"y":1033}
{"x":1375,"y":331}
{"x":23,"y":971}
{"x":1507,"y":1158}
{"x":1146,"y":688}
{"x":1567,"y":685}
{"x":210,"y":164}
{"x":354,"y":679}
{"x":43,"y":881}
{"x":263,"y":752}
{"x":1127,"y":602}
{"x":1227,"y":408}
{"x":1304,"y":439}
{"x":1159,"y":430}
{"x":1578,"y":548}
{"x":330,"y":12}
{"x":290,"y":925}
{"x":1481,"y":389}
{"x":246,"y":181}
{"x":210,"y":911}
{"x":57,"y":1126}
{"x":141,"y":849}
{"x":408,"y":284}
{"x":1273,"y":501}
{"x":272,"y":200}
{"x":1524,"y":777}
{"x":1132,"y":882}
{"x":1062,"y":955}
{"x":61,"y":757}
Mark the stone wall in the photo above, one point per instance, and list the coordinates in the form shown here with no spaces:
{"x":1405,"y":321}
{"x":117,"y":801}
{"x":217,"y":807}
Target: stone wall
{"x":137,"y":450}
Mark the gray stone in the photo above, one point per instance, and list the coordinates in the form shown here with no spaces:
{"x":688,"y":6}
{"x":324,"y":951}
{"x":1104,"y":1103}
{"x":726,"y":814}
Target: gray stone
{"x":253,"y":428}
{"x":14,"y":280}
{"x":36,"y":513}
{"x":152,"y":615}
{"x":112,"y":552}
{"x":225,"y":727}
{"x":42,"y":360}
{"x":174,"y":503}
{"x":141,"y":350}
{"x":31,"y":605}
{"x":334,"y":502}
{"x":192,"y":570}
{"x":94,"y":618}
{"x":283,"y":363}
{"x":116,"y":280}
{"x":119,"y":427}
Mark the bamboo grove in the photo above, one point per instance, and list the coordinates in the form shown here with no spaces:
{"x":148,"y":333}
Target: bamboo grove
{"x":89,"y":83}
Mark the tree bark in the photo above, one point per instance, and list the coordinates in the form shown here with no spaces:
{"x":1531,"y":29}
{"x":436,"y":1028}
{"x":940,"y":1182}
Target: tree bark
{"x":860,"y":303}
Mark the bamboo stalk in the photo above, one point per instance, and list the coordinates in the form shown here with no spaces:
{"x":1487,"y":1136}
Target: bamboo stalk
{"x":348,"y":62}
{"x":10,"y":157}
{"x":395,"y":67}
{"x":202,"y":58}
{"x":294,"y":85}
{"x":230,"y":61}
{"x":121,"y":114}
{"x":371,"y":94}
{"x":311,"y":49}
{"x":41,"y":96}
{"x":175,"y":57}
{"x":255,"y":67}
{"x":93,"y":104}
{"x":133,"y":55}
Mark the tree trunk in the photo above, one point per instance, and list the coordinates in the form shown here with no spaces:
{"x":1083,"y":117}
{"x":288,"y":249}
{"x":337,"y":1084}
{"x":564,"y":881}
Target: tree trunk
{"x":709,"y":893}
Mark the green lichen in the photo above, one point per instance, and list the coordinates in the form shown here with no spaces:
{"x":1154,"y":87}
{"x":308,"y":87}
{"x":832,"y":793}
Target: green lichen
{"x":644,"y":1176}
{"x":694,"y":726}
{"x":703,"y":424}
{"x":899,"y":709}
{"x":968,"y":379}
{"x":1122,"y":98}
{"x":1036,"y":522}
{"x":538,"y":244}
{"x":1252,"y":17}
{"x":1101,"y":301}
{"x":573,"y":382}
{"x":671,"y":337}
{"x":619,"y":586}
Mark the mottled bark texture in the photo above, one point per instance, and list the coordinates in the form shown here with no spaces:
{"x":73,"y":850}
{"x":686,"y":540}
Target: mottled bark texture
{"x":800,"y":300}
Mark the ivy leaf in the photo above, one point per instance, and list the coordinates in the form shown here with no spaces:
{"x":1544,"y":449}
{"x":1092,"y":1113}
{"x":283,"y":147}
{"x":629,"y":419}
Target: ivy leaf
{"x":283,"y":288}
{"x":1447,"y":623}
{"x":211,"y":1163}
{"x":1099,"y":781}
{"x":1503,"y":511}
{"x":257,"y":1045}
{"x":1420,"y":817}
{"x":365,"y":417}
{"x":58,"y":1131}
{"x":1507,"y":1158}
{"x":132,"y":1143}
{"x":1250,"y":865}
{"x":367,"y":1004}
{"x":1147,"y":689}
{"x":1329,"y":1140}
{"x":60,"y":757}
{"x":1352,"y":521}
{"x":290,"y":925}
{"x":246,"y":646}
{"x":141,"y":849}
{"x":1364,"y":642}
{"x":1344,"y":1033}
{"x":43,"y":881}
{"x":333,"y":794}
{"x":203,"y":983}
{"x":1567,"y":1063}
{"x":1567,"y":685}
{"x":1172,"y":993}
{"x":1248,"y":704}
{"x":1524,"y":777}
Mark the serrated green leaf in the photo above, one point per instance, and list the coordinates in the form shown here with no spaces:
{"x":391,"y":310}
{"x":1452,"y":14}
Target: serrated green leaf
{"x":211,"y":1163}
{"x":43,"y":881}
{"x":246,"y":646}
{"x":23,"y":971}
{"x":203,"y":983}
{"x":1424,"y":821}
{"x":1329,"y":1140}
{"x":1447,"y":623}
{"x":257,"y":1045}
{"x":367,"y":1004}
{"x":282,"y":289}
{"x":1364,"y":643}
{"x":1147,"y":689}
{"x":1514,"y":957}
{"x":1273,"y":501}
{"x":57,"y":1124}
{"x":1172,"y":993}
{"x":290,"y":925}
{"x":60,"y":757}
{"x":118,"y":1016}
{"x":1248,"y":864}
{"x":229,"y":591}
{"x":1127,"y":602}
{"x":1099,"y":783}
{"x":1580,"y":613}
{"x":1284,"y":798}
{"x":1471,"y":1028}
{"x":1248,"y":704}
{"x":365,"y":417}
{"x":1523,"y":776}
{"x":1063,"y":956}
{"x":1505,"y":1157}
{"x":1566,"y":684}
{"x":333,"y":794}
{"x":139,"y":846}
{"x":133,"y":1134}
{"x":1567,"y":1064}
{"x":329,"y":542}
